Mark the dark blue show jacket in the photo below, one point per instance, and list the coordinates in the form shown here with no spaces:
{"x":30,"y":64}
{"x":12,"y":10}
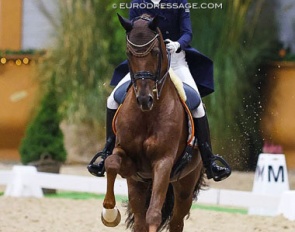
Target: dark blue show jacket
{"x":175,"y":24}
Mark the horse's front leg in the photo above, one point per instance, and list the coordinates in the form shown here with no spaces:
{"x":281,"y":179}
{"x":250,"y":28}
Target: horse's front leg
{"x":161,"y":177}
{"x":111,"y":216}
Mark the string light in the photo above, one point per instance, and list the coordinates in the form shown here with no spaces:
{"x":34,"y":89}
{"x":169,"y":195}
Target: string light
{"x":3,"y":60}
{"x":19,"y":57}
{"x":18,"y":62}
{"x":26,"y":60}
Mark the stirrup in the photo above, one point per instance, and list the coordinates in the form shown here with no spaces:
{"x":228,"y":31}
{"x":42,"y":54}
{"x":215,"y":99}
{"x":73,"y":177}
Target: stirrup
{"x":222,"y":176}
{"x":97,"y":169}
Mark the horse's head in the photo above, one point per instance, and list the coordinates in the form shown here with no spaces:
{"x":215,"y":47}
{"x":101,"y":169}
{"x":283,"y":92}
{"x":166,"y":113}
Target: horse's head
{"x":147,"y":58}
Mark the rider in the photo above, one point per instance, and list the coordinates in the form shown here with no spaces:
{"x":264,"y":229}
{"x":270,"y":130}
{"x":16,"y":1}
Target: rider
{"x":190,"y":66}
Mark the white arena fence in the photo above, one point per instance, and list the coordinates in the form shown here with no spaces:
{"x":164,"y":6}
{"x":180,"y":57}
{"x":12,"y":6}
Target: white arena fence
{"x":26,"y":181}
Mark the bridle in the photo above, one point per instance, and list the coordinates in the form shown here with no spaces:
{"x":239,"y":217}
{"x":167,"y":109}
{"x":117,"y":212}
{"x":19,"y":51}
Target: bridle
{"x":143,"y":75}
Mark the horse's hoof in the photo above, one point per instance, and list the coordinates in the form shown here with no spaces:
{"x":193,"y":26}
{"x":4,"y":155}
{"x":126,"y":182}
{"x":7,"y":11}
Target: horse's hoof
{"x":110,"y":217}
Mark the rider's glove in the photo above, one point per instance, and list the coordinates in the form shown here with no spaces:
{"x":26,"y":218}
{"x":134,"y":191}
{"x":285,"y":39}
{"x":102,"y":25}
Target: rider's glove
{"x":172,"y":46}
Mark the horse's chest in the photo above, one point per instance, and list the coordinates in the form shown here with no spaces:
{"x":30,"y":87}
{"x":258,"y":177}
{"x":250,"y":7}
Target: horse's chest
{"x":136,"y":127}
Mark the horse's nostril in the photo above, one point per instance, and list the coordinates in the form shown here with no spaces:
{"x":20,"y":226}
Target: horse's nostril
{"x":138,"y":101}
{"x":151,"y":99}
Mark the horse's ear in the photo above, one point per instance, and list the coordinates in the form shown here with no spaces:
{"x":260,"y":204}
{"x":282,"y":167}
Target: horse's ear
{"x":154,"y":23}
{"x":127,"y":24}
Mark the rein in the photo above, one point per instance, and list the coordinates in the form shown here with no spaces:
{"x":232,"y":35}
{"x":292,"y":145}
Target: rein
{"x":147,"y":74}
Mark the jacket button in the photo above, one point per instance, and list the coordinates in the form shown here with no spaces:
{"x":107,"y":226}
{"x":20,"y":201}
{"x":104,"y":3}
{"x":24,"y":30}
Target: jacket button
{"x":167,"y":32}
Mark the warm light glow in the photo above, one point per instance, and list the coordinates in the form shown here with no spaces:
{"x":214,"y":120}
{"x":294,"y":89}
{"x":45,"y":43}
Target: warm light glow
{"x":3,"y":60}
{"x":18,"y":62}
{"x":26,"y":60}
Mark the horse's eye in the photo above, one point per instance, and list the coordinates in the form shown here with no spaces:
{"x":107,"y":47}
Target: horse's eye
{"x":128,"y":53}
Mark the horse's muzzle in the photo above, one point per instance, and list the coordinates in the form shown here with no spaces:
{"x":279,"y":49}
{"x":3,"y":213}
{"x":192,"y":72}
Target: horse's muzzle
{"x":145,"y":102}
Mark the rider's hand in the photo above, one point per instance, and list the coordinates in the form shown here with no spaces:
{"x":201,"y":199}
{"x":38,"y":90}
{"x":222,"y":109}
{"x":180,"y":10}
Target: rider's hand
{"x":172,"y":46}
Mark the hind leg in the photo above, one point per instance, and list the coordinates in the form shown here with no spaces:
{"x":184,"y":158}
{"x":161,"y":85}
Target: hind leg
{"x":137,"y":193}
{"x":183,"y":197}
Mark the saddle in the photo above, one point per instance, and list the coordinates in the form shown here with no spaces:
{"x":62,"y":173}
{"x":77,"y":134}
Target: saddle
{"x":192,"y":98}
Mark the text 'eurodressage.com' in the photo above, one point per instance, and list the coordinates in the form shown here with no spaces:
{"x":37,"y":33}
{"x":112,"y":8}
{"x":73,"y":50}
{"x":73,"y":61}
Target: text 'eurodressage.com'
{"x":167,"y":5}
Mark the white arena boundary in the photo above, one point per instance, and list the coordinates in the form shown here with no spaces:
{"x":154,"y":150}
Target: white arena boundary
{"x":25,"y":181}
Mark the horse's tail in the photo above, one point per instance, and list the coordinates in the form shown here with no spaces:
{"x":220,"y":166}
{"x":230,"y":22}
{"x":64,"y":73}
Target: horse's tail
{"x":166,"y":210}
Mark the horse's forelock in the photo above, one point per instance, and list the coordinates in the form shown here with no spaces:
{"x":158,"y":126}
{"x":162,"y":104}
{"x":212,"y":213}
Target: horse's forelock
{"x":141,"y":33}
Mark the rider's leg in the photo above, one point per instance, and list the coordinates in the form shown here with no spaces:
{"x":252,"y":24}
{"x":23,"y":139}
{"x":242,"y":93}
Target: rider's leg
{"x":180,"y":67}
{"x":112,"y":106}
{"x":98,"y":169}
{"x":202,"y":133}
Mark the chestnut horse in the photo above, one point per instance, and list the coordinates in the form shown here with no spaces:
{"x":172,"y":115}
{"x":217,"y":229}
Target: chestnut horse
{"x":151,"y":136}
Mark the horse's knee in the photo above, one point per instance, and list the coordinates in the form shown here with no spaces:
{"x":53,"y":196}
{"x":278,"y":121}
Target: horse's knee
{"x":113,"y":163}
{"x":120,"y":163}
{"x":153,"y":217}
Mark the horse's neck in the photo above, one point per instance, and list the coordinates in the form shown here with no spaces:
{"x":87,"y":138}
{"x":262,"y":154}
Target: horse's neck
{"x":168,"y":90}
{"x":167,"y":97}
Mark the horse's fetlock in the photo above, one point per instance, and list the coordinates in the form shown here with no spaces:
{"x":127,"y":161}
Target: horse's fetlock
{"x":109,"y":204}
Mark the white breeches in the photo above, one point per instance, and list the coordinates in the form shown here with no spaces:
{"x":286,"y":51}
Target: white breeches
{"x":180,"y":67}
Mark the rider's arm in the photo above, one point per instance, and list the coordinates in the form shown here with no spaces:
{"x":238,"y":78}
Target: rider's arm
{"x":185,"y":27}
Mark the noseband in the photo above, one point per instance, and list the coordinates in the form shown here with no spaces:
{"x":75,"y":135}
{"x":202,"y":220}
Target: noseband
{"x":143,"y":75}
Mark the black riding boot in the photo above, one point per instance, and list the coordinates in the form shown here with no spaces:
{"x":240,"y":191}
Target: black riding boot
{"x":99,"y":169}
{"x":214,"y":171}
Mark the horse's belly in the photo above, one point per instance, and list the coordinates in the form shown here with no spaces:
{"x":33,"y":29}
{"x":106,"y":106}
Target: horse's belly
{"x":142,"y":176}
